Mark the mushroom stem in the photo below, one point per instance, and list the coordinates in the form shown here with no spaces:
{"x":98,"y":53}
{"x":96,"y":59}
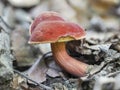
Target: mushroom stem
{"x":68,"y":63}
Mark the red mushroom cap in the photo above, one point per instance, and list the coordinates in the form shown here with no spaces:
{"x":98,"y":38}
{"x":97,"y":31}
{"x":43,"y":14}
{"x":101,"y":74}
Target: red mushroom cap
{"x":56,"y":31}
{"x":46,"y":16}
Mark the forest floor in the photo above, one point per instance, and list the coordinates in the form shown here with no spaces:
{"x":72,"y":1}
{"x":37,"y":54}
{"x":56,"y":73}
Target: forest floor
{"x":33,"y":67}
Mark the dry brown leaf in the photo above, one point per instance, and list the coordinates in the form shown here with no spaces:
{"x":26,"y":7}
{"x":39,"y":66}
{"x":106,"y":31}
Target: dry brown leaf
{"x":52,"y":72}
{"x":38,"y":71}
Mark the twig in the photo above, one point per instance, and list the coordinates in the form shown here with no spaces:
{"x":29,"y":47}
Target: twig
{"x":46,"y":55}
{"x":112,"y":74}
{"x":4,"y":25}
{"x":37,"y":84}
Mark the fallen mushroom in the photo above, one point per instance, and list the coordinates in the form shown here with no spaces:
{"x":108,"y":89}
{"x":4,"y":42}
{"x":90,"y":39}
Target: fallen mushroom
{"x":57,"y":32}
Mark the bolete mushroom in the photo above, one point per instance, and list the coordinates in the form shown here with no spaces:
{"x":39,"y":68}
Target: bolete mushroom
{"x":46,"y":16}
{"x":58,"y":32}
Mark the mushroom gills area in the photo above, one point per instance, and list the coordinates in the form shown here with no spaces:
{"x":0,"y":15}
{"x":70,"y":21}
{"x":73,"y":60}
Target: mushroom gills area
{"x":65,"y":38}
{"x":67,"y":62}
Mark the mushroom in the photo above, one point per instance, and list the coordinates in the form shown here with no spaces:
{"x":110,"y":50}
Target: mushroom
{"x":58,"y":32}
{"x":46,"y":16}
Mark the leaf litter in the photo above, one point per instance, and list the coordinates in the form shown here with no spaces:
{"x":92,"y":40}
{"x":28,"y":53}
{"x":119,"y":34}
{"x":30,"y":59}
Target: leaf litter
{"x":100,"y":48}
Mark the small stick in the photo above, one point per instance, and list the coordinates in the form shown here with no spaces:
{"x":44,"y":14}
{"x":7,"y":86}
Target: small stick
{"x":37,"y":84}
{"x":4,"y":25}
{"x":112,"y":74}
